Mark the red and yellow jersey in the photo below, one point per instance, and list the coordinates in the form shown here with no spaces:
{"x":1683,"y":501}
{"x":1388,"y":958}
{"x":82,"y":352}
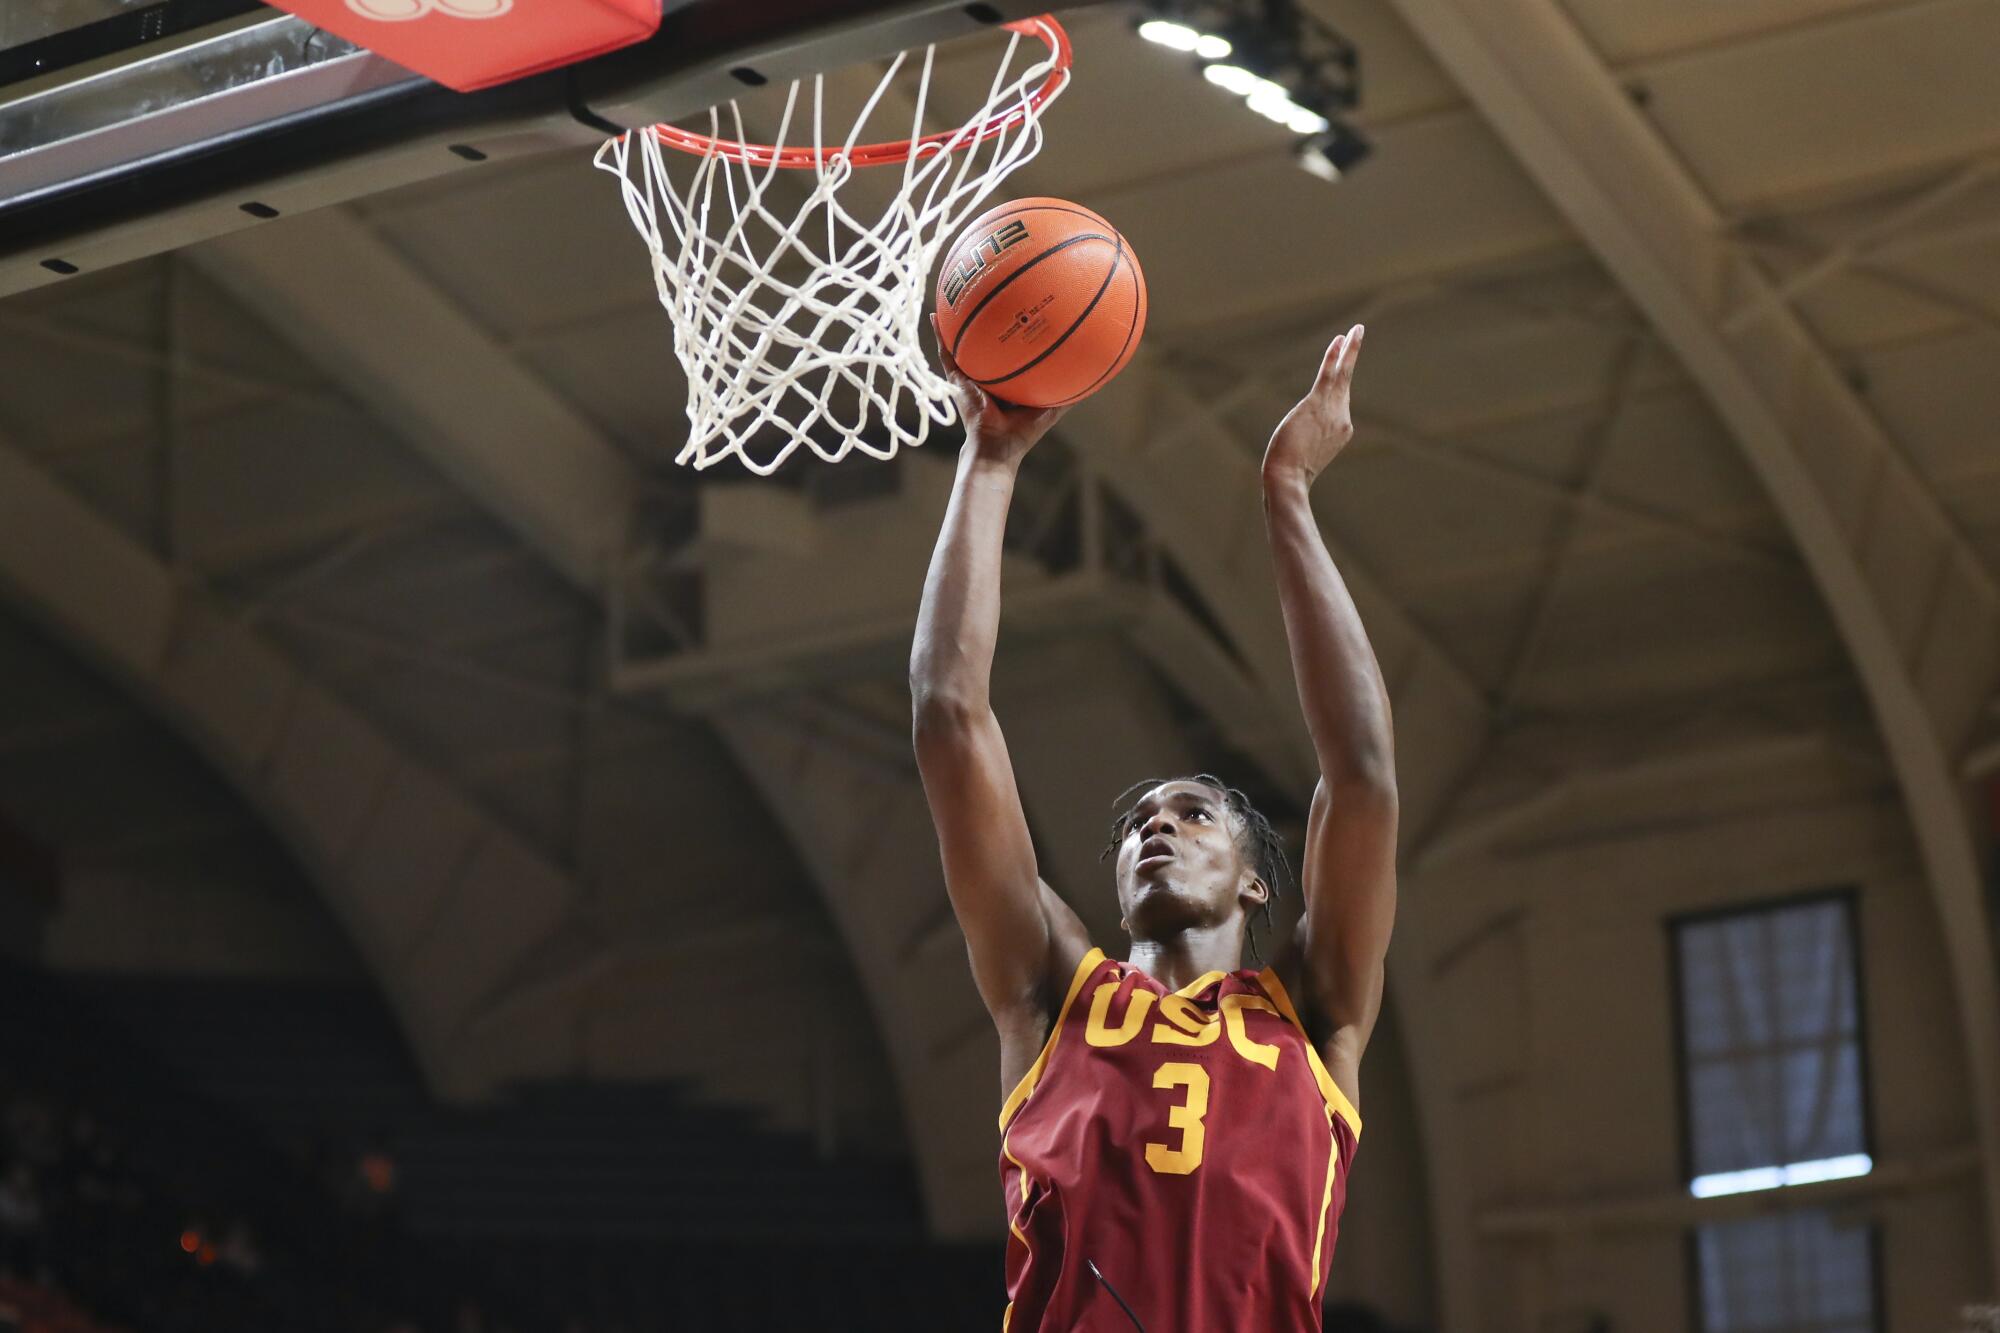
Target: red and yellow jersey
{"x":1189,"y":1143}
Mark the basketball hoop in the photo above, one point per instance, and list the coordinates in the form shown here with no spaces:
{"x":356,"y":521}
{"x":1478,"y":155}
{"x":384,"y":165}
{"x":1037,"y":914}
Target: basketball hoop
{"x":832,"y":358}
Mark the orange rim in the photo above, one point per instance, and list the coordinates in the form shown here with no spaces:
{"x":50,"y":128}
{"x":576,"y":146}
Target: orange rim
{"x":901,"y":150}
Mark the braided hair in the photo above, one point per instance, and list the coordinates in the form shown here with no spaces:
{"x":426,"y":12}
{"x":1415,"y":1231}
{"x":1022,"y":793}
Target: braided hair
{"x":1255,"y":839}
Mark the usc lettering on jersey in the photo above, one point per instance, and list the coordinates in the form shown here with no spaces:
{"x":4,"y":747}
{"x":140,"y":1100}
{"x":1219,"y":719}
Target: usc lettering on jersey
{"x":1190,"y":1143}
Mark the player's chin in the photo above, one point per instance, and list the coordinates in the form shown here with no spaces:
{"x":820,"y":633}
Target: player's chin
{"x":1161,"y":901}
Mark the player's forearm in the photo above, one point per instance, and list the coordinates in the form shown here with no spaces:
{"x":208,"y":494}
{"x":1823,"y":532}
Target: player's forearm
{"x":1340,"y":685}
{"x":951,"y":662}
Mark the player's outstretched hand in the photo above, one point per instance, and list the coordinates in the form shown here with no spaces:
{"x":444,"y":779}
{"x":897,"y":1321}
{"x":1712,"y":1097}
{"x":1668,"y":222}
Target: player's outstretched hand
{"x":1313,"y":433}
{"x":1004,"y":434}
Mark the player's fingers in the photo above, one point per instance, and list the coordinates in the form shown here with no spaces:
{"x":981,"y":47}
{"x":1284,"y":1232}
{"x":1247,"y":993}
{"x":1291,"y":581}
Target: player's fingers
{"x":1328,"y":364}
{"x":945,"y":360}
{"x":973,"y":402}
{"x":1350,"y":352}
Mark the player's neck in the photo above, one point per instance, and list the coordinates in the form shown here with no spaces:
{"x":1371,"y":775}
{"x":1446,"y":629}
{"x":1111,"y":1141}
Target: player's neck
{"x":1182,"y":957}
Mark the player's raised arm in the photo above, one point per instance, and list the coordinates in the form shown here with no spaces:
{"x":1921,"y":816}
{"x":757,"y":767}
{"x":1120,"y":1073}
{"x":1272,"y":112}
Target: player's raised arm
{"x":1349,"y":869}
{"x":989,"y":861}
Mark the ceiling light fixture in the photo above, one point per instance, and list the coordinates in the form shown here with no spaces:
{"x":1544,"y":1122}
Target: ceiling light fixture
{"x":1332,"y":152}
{"x":1180,"y":37}
{"x":1287,"y":67}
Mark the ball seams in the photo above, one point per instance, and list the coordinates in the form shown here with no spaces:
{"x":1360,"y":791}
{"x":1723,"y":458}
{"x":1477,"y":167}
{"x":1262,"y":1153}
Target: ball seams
{"x":1002,"y":285}
{"x":1138,"y":305}
{"x":1117,"y":263}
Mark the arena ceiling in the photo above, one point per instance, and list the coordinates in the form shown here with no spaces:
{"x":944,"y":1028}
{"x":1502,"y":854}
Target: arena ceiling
{"x":1675,"y":474}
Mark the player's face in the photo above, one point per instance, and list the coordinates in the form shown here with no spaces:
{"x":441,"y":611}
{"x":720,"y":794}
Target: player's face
{"x":1178,"y":862}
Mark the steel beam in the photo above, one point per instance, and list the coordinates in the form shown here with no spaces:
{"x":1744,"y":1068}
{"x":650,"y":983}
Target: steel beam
{"x":438,"y":897}
{"x":1871,"y":533}
{"x":369,"y":318}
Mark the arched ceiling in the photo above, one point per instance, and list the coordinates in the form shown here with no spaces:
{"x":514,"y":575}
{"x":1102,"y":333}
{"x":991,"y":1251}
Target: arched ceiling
{"x":149,"y":855}
{"x":1915,"y":604}
{"x":418,"y":448}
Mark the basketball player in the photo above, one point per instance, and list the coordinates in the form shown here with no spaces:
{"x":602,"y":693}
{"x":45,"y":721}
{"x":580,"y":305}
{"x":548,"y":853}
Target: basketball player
{"x":1177,"y":1128}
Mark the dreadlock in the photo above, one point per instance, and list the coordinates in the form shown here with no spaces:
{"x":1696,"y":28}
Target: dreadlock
{"x":1255,"y":838}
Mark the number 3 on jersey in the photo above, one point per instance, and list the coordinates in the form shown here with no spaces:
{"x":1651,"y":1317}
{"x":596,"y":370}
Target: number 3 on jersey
{"x":1186,"y":1117}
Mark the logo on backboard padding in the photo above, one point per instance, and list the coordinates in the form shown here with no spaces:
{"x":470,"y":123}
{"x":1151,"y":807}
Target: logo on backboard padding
{"x":397,"y":11}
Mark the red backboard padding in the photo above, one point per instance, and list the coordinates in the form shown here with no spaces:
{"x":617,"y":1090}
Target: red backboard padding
{"x":471,"y":44}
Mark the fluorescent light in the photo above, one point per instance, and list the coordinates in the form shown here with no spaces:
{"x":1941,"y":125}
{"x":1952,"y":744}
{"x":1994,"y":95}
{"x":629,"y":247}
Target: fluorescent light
{"x":1233,"y":78}
{"x":1737,"y":1182}
{"x":1273,"y":109}
{"x":1267,"y":97}
{"x":1178,"y":36}
{"x":1274,"y":103}
{"x":1778,"y":1177}
{"x":1829,"y":1168}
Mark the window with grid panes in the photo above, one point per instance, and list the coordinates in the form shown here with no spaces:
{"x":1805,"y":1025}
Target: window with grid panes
{"x":1773,"y":1092}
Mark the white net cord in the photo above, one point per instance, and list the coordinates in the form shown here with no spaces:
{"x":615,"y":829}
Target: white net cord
{"x":810,"y":329}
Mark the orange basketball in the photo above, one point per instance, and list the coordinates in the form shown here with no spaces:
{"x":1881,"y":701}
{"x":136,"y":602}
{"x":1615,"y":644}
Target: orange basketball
{"x":1041,"y":301}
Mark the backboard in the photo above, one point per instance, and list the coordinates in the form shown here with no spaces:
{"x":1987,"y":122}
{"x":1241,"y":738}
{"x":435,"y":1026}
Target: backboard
{"x":132,"y":127}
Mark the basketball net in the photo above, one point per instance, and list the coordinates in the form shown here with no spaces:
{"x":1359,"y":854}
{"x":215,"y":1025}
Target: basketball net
{"x":808,"y":329}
